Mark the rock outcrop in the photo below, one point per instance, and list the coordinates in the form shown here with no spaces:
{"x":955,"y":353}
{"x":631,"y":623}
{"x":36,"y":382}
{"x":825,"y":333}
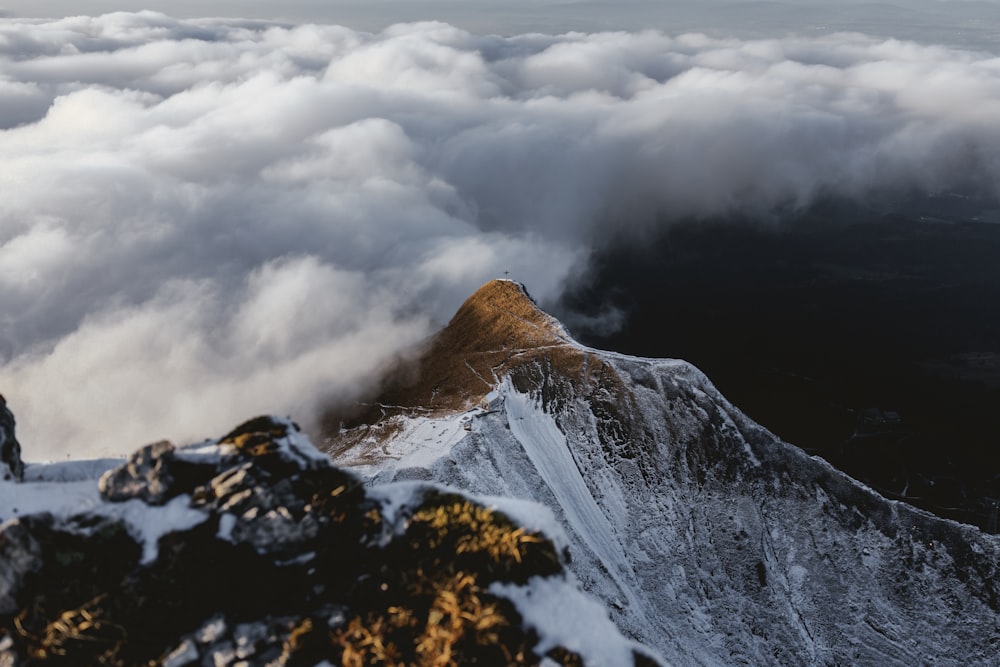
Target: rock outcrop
{"x":256,"y":550}
{"x":11,"y":466}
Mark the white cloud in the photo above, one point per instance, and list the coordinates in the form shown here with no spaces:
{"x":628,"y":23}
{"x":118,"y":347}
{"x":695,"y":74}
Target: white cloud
{"x":202,"y":220}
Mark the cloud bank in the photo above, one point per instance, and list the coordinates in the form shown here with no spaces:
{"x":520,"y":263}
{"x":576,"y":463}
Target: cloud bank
{"x":204,"y":220}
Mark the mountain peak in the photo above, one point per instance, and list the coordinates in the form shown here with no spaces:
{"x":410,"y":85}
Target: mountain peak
{"x":501,"y":315}
{"x":500,"y":326}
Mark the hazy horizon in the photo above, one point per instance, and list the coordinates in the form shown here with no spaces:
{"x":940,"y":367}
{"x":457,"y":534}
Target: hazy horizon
{"x":957,"y":23}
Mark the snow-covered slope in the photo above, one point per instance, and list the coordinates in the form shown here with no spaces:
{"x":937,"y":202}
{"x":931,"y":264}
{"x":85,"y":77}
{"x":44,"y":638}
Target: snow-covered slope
{"x":707,"y":537}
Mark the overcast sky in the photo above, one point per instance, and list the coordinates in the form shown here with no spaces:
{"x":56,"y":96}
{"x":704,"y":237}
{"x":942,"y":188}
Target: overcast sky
{"x":973,"y":23}
{"x":201,"y":221}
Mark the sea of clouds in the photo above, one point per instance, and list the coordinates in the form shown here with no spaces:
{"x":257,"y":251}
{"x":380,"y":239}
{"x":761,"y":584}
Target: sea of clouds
{"x":203,"y":220}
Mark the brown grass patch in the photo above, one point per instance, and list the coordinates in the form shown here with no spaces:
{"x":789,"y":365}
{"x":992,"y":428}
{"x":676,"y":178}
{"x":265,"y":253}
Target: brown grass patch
{"x":497,"y":329}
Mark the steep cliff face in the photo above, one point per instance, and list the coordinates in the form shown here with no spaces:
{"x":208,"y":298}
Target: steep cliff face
{"x":255,"y":550}
{"x":706,"y":536}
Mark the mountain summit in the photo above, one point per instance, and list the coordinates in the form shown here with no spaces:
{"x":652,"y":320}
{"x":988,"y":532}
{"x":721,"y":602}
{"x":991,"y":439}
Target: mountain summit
{"x":501,"y":315}
{"x":498,"y":329}
{"x":706,"y":536}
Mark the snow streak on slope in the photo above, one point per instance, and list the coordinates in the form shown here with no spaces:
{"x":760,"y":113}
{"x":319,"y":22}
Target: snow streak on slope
{"x":546,"y":447}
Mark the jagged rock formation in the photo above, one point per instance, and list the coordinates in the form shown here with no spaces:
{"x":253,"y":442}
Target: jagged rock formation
{"x":255,"y":550}
{"x":706,"y":536}
{"x":11,"y":466}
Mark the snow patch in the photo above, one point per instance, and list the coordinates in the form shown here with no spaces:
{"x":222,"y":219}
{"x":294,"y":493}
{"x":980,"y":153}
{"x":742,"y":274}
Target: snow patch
{"x":564,"y":616}
{"x":226,"y":524}
{"x":209,"y":452}
{"x":61,"y":499}
{"x":69,"y":471}
{"x":396,"y":498}
{"x":421,"y":442}
{"x":148,"y":524}
{"x":546,"y":446}
{"x":298,"y":443}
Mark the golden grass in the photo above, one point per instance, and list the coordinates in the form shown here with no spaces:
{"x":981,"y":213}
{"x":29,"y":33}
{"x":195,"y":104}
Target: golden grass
{"x":433,"y":608}
{"x":256,"y":436}
{"x":85,"y":630}
{"x":482,"y":532}
{"x":460,"y":615}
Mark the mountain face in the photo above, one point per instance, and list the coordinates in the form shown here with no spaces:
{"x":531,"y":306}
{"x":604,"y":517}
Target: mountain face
{"x":707,"y":537}
{"x":255,"y":550}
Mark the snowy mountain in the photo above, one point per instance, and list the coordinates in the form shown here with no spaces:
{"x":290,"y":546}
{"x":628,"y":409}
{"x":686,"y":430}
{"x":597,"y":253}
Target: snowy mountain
{"x":707,"y":537}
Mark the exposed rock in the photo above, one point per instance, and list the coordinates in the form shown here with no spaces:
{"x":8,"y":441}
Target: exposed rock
{"x":11,"y":466}
{"x":290,"y":561}
{"x":20,"y":554}
{"x":146,"y":475}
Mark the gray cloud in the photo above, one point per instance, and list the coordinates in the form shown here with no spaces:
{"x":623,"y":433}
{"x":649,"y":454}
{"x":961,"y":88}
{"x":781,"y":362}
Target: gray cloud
{"x":202,"y":220}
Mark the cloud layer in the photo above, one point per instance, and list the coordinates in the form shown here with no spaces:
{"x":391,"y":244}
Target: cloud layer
{"x":204,"y":220}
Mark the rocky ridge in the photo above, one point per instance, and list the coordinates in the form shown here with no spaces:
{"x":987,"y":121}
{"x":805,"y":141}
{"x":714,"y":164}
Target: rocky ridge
{"x":255,"y":550}
{"x":706,"y":536}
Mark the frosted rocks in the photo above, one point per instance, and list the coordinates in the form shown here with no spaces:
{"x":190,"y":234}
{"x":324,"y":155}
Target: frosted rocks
{"x":145,"y":475}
